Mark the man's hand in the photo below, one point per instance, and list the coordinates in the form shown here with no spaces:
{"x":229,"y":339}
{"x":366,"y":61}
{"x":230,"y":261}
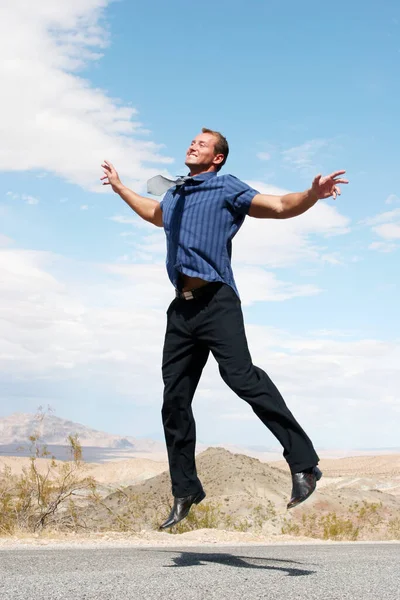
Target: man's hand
{"x":325,"y":187}
{"x":111,"y":177}
{"x":147,"y":208}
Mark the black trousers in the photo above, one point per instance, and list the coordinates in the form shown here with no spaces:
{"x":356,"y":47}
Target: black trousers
{"x":214,"y":322}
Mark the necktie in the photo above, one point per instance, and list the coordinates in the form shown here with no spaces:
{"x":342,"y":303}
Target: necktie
{"x":159,"y":184}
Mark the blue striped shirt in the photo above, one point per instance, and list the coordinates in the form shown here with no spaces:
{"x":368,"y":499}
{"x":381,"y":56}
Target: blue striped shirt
{"x":200,"y":219}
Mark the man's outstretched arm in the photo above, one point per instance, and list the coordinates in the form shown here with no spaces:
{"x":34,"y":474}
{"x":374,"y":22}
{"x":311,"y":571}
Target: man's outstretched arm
{"x":147,"y":208}
{"x":291,"y":205}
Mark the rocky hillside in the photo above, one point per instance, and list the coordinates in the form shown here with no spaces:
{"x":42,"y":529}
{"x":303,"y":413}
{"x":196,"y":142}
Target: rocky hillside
{"x":244,"y":493}
{"x":241,"y":486}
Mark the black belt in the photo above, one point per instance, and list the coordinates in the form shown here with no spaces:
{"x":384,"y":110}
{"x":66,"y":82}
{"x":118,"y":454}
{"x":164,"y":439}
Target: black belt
{"x":195,"y":293}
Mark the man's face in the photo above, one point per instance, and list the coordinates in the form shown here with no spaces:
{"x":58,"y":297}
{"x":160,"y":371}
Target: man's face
{"x":201,"y":153}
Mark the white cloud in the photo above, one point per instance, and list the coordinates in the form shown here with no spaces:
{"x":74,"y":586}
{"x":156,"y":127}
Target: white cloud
{"x":264,"y":156}
{"x":382,"y":246}
{"x":123,"y":219}
{"x":384,"y":217}
{"x":4,"y":240}
{"x":30,"y":199}
{"x":84,"y":207}
{"x":285,"y":242}
{"x":103,"y":325}
{"x":331,"y":259}
{"x":341,"y":381}
{"x":392,"y":199}
{"x":257,"y":285}
{"x":56,"y":314}
{"x":389,"y":231}
{"x":303,"y":158}
{"x":92,"y":325}
{"x":136,"y":221}
{"x":25,"y":197}
{"x":63,"y":125}
{"x":266,"y":188}
{"x":385,"y":225}
{"x":239,"y":416}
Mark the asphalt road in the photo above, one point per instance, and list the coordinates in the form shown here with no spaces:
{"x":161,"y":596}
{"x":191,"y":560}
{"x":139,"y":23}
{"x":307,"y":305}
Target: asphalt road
{"x":323,"y":572}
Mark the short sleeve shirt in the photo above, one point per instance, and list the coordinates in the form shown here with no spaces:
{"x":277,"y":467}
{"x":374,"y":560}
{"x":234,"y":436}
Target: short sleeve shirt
{"x":200,"y":219}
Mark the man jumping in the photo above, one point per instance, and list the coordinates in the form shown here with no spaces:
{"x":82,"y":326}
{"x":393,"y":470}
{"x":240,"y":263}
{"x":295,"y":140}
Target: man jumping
{"x":200,"y":214}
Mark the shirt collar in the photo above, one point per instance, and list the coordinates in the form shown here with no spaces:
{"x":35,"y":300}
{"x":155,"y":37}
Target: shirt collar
{"x":204,"y":176}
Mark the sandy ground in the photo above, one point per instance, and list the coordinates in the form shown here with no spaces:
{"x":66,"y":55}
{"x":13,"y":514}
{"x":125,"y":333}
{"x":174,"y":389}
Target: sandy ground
{"x":145,"y":538}
{"x":203,"y":537}
{"x":144,"y":468}
{"x":121,"y":472}
{"x":357,"y":466}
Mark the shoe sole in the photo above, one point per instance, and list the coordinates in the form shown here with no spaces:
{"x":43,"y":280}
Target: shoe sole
{"x":318,"y":475}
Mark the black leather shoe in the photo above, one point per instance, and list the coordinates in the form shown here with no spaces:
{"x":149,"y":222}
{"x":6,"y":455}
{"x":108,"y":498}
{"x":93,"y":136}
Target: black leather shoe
{"x":304,"y":483}
{"x":181,"y":508}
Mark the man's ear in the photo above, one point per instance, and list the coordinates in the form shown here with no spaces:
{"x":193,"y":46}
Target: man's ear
{"x":218,"y":158}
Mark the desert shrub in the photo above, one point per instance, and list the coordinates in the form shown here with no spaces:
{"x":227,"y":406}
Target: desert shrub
{"x":338,"y":528}
{"x":260,"y":514}
{"x":203,"y":516}
{"x":367,"y":520}
{"x":35,"y":500}
{"x":210,"y":516}
{"x":290,"y":528}
{"x":394,"y":528}
{"x":368,"y":514}
{"x":241,"y":525}
{"x":137,"y":511}
{"x":322,"y":526}
{"x":6,"y":501}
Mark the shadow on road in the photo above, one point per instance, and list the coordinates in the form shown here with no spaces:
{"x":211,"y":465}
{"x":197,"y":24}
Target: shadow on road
{"x":195,"y":559}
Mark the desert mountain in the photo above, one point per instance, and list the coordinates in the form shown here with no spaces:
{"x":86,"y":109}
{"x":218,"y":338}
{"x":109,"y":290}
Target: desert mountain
{"x":53,"y":430}
{"x":245,"y":492}
{"x":238,"y":484}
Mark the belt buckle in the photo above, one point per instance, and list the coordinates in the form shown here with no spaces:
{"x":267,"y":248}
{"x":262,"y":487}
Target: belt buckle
{"x":188,"y":295}
{"x":185,"y":295}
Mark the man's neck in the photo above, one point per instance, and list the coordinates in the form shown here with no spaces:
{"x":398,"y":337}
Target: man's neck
{"x":194,"y":172}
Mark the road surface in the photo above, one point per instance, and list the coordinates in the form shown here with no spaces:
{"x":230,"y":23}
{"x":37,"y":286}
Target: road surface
{"x":276,"y":572}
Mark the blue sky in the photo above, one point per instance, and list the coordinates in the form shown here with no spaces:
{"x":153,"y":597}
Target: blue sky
{"x":297,"y":88}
